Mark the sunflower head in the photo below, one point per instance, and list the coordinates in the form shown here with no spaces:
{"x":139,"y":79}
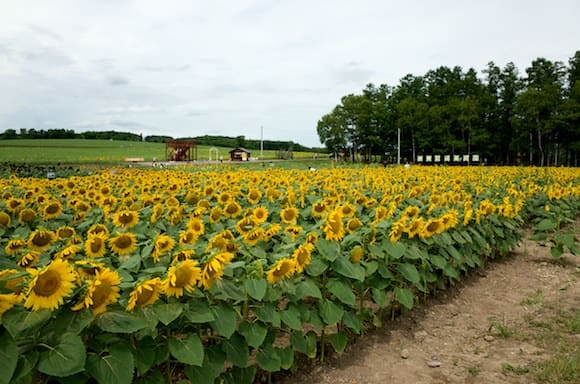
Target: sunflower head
{"x":4,"y":219}
{"x":289,"y":215}
{"x":95,"y":246}
{"x":196,"y":225}
{"x":98,"y":230}
{"x":357,"y":254}
{"x":27,"y":215}
{"x":253,"y":236}
{"x":123,"y":243}
{"x":144,"y":294}
{"x":302,"y":256}
{"x":41,"y":239}
{"x":49,"y":286}
{"x":254,"y":196}
{"x":260,"y":214}
{"x":52,"y":210}
{"x":334,"y":228}
{"x":102,"y":290}
{"x":284,"y":268}
{"x":353,"y":224}
{"x":181,"y":276}
{"x":125,"y":218}
{"x":14,"y":246}
{"x":232,"y":209}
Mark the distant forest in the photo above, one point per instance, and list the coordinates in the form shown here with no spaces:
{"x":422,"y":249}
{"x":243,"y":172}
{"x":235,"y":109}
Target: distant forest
{"x":506,"y":117}
{"x":217,"y":141}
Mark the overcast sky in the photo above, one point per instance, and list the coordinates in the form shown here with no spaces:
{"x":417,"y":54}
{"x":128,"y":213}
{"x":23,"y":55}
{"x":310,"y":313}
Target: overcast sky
{"x":188,"y":68}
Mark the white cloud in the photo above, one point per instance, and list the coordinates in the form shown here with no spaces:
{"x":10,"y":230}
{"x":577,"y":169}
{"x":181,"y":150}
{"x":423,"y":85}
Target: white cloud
{"x":228,"y":67}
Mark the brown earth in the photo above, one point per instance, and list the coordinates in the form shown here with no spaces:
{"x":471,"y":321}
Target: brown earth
{"x":483,"y":330}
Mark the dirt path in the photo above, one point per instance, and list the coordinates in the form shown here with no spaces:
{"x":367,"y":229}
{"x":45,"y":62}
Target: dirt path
{"x":491,"y":328}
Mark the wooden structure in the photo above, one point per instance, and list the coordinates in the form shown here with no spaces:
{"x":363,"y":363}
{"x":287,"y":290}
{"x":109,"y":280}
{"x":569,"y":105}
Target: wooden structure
{"x":240,"y":154}
{"x":180,"y":150}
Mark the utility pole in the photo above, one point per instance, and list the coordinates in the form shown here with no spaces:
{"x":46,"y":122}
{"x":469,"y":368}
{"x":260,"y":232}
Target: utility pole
{"x":398,"y":146}
{"x":262,"y":143}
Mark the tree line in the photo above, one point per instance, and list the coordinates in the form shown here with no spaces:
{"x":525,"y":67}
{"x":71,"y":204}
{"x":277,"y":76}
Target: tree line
{"x":216,"y":141}
{"x":505,"y":117}
{"x":60,"y":133}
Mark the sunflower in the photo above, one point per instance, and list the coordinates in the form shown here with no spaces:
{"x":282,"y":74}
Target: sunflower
{"x":312,"y":237}
{"x":102,"y":291}
{"x":12,"y":280}
{"x":254,"y":196}
{"x":98,"y":230}
{"x":14,"y":246}
{"x":4,"y":220}
{"x":380,"y":213}
{"x":272,"y":231}
{"x":432,"y":227}
{"x":260,"y":214}
{"x":353,"y":224}
{"x":357,"y":254}
{"x":156,"y":213}
{"x":182,"y":255}
{"x":252,"y":237}
{"x":289,"y":215}
{"x":411,"y":211}
{"x":294,"y":231}
{"x":196,"y":225}
{"x":52,"y":210}
{"x":29,"y":259}
{"x":449,"y":219}
{"x":333,"y":228}
{"x":14,"y":205}
{"x":125,"y":218}
{"x":232,"y":209}
{"x":245,"y":225}
{"x":318,"y":208}
{"x":95,"y":246}
{"x":187,"y":237}
{"x":144,"y":294}
{"x":68,"y":252}
{"x":415,"y":227}
{"x":347,"y":210}
{"x":192,"y":198}
{"x":215,"y":215}
{"x":41,"y":239}
{"x":65,"y":233}
{"x":397,"y":230}
{"x":162,"y":245}
{"x":27,"y":215}
{"x":182,"y":276}
{"x":467,"y":216}
{"x":204,"y":203}
{"x":9,"y":300}
{"x":214,"y":268}
{"x":224,"y":198}
{"x":301,"y":256}
{"x":284,"y":268}
{"x":172,"y":202}
{"x":123,"y":244}
{"x":49,"y":286}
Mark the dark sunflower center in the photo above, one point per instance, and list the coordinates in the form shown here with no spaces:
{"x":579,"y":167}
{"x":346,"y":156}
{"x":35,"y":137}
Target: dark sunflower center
{"x":126,"y":218}
{"x":101,"y":293}
{"x":123,"y":242}
{"x":144,"y":297}
{"x":182,"y":277}
{"x":41,"y":239}
{"x":47,"y":284}
{"x":96,"y":245}
{"x":52,"y":209}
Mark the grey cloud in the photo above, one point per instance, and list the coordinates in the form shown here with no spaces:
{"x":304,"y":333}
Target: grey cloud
{"x":127,"y":124}
{"x":131,"y":109}
{"x":45,"y":32}
{"x":194,"y":114}
{"x":352,"y":73}
{"x":117,"y":80}
{"x":166,"y":68}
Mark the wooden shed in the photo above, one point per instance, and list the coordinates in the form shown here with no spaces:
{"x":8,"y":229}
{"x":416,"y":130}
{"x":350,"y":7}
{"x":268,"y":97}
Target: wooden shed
{"x":240,"y":154}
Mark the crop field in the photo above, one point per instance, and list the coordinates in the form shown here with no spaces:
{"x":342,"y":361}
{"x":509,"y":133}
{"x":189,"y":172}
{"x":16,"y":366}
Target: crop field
{"x":102,"y":151}
{"x":231,"y":274}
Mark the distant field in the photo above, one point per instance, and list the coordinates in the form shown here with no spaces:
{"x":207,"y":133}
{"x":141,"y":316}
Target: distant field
{"x":102,"y":151}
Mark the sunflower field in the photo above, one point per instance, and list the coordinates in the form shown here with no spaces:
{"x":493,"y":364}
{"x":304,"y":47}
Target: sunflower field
{"x":219,"y":276}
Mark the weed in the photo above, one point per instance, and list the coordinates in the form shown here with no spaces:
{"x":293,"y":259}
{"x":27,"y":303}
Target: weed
{"x":499,"y":328}
{"x":473,"y":371}
{"x":507,"y":368}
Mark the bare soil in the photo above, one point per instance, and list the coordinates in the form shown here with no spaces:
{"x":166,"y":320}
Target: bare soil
{"x":483,"y":330}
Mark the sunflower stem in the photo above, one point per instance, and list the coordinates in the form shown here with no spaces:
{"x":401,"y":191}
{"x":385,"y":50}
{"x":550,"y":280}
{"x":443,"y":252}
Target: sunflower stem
{"x":322,"y":345}
{"x":168,"y":365}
